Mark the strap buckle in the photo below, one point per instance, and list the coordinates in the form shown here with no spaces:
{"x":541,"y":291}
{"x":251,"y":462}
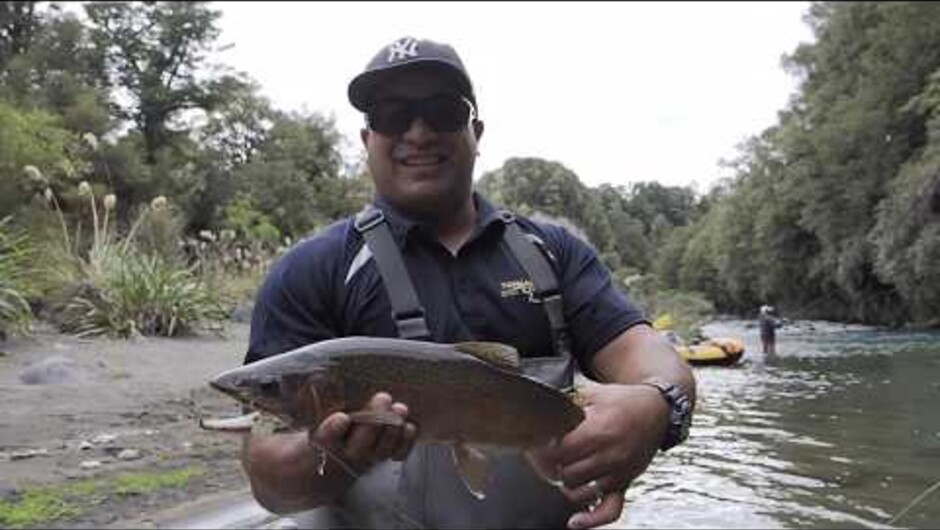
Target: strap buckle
{"x":411,"y":324}
{"x":368,"y":219}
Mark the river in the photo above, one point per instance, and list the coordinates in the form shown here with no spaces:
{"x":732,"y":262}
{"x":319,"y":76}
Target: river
{"x":840,"y":430}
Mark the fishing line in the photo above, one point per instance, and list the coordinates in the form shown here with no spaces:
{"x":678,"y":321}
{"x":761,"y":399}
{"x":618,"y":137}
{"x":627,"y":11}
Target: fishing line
{"x":394,"y":509}
{"x":917,"y":500}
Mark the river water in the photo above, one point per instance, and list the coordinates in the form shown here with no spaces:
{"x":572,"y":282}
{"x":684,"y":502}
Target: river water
{"x":840,"y":430}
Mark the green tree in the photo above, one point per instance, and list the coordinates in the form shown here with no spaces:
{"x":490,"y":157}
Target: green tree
{"x":156,"y":52}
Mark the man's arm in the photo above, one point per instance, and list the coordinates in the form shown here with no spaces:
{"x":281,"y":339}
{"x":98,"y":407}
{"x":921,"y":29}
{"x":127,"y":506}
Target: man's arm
{"x":284,"y":469}
{"x":639,"y":353}
{"x":625,"y":422}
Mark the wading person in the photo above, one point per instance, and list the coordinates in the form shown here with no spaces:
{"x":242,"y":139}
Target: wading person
{"x":433,"y":260}
{"x":768,"y":329}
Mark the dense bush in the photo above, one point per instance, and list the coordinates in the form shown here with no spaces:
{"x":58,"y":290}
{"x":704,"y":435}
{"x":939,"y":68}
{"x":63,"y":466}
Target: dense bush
{"x":15,"y":313}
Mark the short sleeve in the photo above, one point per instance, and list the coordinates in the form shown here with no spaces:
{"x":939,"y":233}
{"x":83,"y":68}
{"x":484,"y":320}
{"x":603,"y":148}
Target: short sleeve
{"x":596,"y":310}
{"x":296,"y":304}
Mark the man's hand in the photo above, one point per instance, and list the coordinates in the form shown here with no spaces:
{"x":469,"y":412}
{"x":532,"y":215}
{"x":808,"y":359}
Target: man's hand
{"x":623,"y":428}
{"x":285,"y":469}
{"x":362,"y":445}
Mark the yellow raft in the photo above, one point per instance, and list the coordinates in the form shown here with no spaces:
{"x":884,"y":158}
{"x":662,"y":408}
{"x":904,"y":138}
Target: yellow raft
{"x":721,"y":351}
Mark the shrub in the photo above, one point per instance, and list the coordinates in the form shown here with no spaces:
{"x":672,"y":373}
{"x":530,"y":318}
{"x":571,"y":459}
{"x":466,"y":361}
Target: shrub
{"x":136,"y":293}
{"x":687,"y":310}
{"x":121,"y":287}
{"x":15,"y":312}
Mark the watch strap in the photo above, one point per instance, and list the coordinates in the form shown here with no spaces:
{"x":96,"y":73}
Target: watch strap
{"x":680,"y":411}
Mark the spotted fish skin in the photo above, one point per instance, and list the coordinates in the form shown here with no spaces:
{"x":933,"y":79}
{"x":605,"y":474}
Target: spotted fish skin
{"x":452,"y":393}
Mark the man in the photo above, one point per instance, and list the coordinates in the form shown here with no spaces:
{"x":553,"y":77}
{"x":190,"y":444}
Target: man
{"x":421,"y":139}
{"x":768,"y":329}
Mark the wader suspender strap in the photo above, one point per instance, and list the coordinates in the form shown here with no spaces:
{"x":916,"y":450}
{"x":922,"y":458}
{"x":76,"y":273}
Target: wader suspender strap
{"x":543,"y":278}
{"x":406,"y":309}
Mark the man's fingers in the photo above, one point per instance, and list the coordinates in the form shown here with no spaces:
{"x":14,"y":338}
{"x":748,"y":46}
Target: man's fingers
{"x":586,"y":494}
{"x":332,"y":430}
{"x":580,"y":472}
{"x":606,"y":512}
{"x":405,"y":442}
{"x":362,"y":439}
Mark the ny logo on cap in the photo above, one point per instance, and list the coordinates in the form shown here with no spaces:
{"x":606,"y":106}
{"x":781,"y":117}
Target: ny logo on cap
{"x":402,"y":49}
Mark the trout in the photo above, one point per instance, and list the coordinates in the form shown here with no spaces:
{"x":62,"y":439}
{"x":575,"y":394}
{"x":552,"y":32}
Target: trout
{"x":469,"y":395}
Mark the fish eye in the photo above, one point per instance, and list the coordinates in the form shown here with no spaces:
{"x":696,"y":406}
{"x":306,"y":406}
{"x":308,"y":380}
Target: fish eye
{"x":269,"y":387}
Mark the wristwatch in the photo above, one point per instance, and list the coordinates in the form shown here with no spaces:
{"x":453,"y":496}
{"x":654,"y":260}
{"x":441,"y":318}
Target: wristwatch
{"x":680,"y":411}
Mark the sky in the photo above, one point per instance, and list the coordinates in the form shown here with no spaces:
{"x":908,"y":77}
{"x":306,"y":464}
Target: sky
{"x":616,"y":92}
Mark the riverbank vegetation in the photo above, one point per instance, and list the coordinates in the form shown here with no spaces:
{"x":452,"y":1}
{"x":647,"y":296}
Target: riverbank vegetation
{"x":145,"y":188}
{"x":35,"y":506}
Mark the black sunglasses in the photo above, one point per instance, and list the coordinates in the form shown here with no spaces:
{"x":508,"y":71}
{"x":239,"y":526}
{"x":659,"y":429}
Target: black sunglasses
{"x":444,"y":113}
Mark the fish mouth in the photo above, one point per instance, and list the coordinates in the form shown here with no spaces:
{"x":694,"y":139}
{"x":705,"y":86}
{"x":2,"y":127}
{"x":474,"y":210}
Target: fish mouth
{"x":244,"y":397}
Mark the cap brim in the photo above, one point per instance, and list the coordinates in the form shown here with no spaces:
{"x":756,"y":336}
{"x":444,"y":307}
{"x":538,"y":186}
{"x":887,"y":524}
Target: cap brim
{"x":362,"y":87}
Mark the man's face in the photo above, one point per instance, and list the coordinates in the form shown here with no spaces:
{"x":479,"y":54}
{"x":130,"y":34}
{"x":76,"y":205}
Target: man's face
{"x":422,"y":170}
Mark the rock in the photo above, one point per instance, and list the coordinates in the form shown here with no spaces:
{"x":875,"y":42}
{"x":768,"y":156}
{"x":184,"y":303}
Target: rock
{"x":85,"y":445}
{"x":103,"y":439}
{"x":28,"y":453}
{"x":90,"y":464}
{"x":51,"y":371}
{"x":8,"y":494}
{"x":242,"y":313}
{"x":129,"y":454}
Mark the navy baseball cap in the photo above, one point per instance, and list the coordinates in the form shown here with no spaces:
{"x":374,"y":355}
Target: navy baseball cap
{"x":409,"y":52}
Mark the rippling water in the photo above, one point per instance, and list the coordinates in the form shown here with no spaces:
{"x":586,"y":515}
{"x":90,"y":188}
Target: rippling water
{"x":841,"y":429}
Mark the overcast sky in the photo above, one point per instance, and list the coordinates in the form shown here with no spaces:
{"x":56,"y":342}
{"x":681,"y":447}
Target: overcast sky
{"x":617,"y":92}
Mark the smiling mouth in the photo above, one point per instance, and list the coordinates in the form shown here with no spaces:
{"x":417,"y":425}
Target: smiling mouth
{"x":422,"y":160}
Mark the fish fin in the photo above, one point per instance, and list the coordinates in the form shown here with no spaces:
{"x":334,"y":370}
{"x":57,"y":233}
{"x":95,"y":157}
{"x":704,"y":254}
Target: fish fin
{"x":377,"y":418}
{"x":473,"y":468}
{"x":575,"y":394}
{"x":496,"y":353}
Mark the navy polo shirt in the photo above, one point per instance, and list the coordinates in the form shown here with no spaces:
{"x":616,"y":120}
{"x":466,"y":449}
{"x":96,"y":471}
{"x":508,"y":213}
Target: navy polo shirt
{"x":324,"y":288}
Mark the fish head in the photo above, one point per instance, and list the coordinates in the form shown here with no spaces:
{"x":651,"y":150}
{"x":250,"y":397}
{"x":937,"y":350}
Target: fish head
{"x":301,"y":396}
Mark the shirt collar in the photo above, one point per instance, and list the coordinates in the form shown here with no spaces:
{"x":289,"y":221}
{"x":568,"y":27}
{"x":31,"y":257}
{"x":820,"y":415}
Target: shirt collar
{"x":402,"y":225}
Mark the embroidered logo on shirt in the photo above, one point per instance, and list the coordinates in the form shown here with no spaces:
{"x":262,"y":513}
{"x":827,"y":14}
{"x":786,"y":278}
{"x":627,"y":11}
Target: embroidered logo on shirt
{"x":512,"y":288}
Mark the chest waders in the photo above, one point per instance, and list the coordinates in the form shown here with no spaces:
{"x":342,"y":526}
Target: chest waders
{"x":425,"y":489}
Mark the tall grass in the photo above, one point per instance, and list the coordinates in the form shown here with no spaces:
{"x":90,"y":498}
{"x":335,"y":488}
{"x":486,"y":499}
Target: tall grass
{"x":114,"y":285}
{"x":15,"y":249}
{"x":137,"y":293}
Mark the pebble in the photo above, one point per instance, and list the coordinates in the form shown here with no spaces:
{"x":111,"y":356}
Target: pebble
{"x":85,"y":445}
{"x":90,"y":464}
{"x":103,"y":439}
{"x":129,"y":454}
{"x":28,"y":453}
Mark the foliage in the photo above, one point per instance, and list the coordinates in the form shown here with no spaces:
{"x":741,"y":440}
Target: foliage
{"x":116,"y":288}
{"x":831,"y":212}
{"x":41,"y":505}
{"x":155,"y":51}
{"x":32,"y":139}
{"x":141,"y":294}
{"x":624,"y":225}
{"x":828,"y":215}
{"x":15,"y":250}
{"x":687,"y":310}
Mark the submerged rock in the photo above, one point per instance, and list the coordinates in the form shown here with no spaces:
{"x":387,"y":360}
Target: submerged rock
{"x":52,"y":371}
